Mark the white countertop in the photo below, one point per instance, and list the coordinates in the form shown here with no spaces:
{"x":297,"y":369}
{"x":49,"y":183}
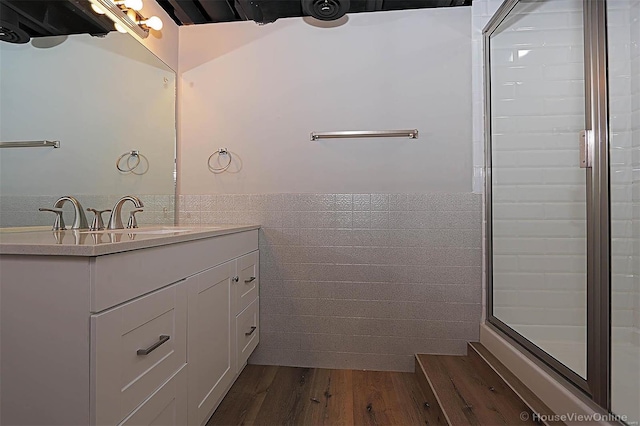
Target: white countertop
{"x":42,"y":241}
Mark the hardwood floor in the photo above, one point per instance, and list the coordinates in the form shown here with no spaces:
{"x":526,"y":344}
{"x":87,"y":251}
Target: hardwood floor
{"x":269,"y":395}
{"x":471,"y":393}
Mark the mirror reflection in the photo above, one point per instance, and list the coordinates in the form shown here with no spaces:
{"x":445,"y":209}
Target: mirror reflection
{"x":103,"y":98}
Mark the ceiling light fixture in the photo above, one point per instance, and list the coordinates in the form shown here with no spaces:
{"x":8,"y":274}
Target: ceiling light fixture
{"x":125,"y":15}
{"x":129,"y":4}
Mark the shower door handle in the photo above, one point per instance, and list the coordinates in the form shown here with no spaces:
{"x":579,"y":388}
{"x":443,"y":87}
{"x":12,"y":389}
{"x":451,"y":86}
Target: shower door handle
{"x":586,"y":147}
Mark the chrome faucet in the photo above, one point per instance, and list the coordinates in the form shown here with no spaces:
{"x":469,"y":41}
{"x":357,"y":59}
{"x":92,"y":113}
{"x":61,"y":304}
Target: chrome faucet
{"x":80,"y":219}
{"x":115,"y":221}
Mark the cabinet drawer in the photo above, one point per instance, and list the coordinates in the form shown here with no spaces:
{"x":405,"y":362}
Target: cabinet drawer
{"x":248,"y":332}
{"x":119,"y":277}
{"x":167,"y":406}
{"x":136,"y":348}
{"x":247,"y":286}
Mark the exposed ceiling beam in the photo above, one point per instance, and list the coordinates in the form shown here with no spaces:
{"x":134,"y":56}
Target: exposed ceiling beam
{"x":373,"y":5}
{"x":188,"y":12}
{"x":219,"y":10}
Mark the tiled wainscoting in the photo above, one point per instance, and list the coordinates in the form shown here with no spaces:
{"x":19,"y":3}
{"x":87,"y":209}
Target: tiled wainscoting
{"x":359,"y":281}
{"x":18,"y":210}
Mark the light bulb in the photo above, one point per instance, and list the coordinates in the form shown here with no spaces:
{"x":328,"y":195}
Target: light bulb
{"x":133,"y":4}
{"x":97,"y":9}
{"x":119,"y":28}
{"x":153,"y":22}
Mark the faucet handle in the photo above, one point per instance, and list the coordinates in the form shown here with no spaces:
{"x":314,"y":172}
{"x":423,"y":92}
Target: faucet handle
{"x":58,"y":224}
{"x":132,"y":222}
{"x":97,"y":224}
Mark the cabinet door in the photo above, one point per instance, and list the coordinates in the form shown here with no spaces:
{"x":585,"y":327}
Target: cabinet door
{"x":248,"y":281}
{"x":211,"y":340}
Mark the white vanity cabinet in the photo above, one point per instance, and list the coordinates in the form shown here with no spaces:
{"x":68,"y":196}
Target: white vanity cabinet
{"x":150,"y":336}
{"x":219,"y":352}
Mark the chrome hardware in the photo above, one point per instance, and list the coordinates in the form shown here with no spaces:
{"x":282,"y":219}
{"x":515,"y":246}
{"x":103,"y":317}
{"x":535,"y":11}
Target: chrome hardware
{"x":58,"y":236}
{"x":411,"y":134}
{"x":235,"y":279}
{"x":132,"y":222}
{"x":58,"y":223}
{"x":250,"y":280}
{"x":163,"y":339}
{"x":253,"y":328}
{"x":220,"y":152}
{"x":586,"y":144}
{"x":97,"y":224}
{"x":131,"y":154}
{"x":115,"y":221}
{"x":80,"y":220}
{"x":30,"y":144}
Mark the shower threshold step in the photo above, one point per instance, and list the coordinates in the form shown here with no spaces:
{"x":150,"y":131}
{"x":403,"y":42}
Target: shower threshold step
{"x":476,"y":389}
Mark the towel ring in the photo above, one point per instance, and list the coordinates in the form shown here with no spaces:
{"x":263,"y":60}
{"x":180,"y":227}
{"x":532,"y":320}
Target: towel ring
{"x":219,"y":152}
{"x":130,"y":154}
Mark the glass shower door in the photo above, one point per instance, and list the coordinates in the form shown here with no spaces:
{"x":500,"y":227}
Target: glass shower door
{"x":537,"y":187}
{"x":623,"y":30}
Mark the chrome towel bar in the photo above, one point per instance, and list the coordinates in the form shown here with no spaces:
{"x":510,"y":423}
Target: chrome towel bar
{"x":412,"y":134}
{"x":30,"y":144}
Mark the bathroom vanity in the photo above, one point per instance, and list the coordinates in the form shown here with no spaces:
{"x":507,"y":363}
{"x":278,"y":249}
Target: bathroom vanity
{"x":146,"y":326}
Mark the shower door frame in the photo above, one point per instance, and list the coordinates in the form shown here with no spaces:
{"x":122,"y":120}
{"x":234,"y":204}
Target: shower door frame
{"x":597,"y":383}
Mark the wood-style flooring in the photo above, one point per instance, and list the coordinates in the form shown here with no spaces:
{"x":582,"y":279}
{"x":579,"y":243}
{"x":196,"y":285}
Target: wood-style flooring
{"x":278,"y":396}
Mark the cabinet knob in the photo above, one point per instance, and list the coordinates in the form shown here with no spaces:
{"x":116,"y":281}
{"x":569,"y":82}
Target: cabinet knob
{"x":235,"y":279}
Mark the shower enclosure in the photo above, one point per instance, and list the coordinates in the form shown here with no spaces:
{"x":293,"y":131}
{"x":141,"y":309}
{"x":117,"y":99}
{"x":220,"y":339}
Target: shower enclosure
{"x":562,"y":94}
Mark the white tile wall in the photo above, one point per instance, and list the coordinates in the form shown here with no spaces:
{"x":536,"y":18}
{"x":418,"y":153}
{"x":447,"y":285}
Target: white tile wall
{"x":539,"y":220}
{"x":481,"y":13}
{"x":359,"y":281}
{"x":624,"y":84}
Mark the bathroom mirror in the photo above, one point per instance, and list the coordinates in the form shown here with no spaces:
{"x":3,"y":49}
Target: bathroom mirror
{"x":101,"y":97}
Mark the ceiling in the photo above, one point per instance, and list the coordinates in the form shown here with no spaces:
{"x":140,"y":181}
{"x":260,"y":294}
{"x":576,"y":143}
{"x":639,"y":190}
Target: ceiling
{"x":188,"y":12}
{"x":22,"y":19}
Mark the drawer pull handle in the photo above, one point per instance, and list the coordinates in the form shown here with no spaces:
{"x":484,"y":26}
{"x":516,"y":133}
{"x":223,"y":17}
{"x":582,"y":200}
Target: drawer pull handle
{"x":249,"y":280}
{"x":253,"y":328}
{"x":153,"y":347}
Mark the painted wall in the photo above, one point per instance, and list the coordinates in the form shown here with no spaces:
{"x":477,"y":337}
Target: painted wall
{"x":370,"y":249}
{"x":260,"y":92}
